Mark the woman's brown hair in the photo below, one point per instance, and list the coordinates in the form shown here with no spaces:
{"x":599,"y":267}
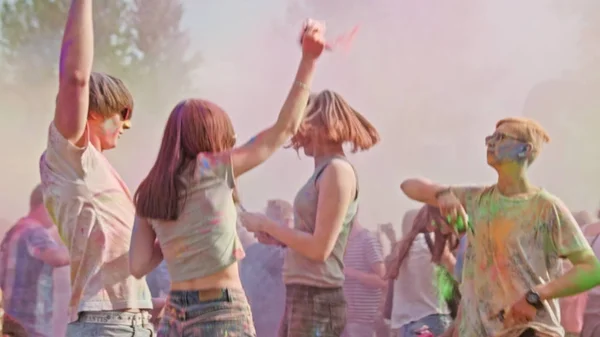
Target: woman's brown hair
{"x":427,"y":217}
{"x":194,"y":126}
{"x":331,"y":118}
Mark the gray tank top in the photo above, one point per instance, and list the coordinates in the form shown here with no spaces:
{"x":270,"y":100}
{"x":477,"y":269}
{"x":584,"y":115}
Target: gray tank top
{"x":299,"y":269}
{"x":203,"y":240}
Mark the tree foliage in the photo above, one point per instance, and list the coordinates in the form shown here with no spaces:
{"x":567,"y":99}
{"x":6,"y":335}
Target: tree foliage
{"x":141,"y":41}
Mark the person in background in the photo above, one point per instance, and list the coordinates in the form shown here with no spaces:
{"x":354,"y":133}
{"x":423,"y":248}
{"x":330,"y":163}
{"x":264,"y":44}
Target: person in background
{"x":591,"y":315}
{"x":158,"y":281}
{"x":407,"y":220}
{"x":62,"y":291}
{"x":416,"y":302}
{"x":364,"y":284}
{"x":382,"y":326}
{"x":261,"y":274}
{"x":583,"y":218}
{"x":572,"y":308}
{"x":28,"y":257}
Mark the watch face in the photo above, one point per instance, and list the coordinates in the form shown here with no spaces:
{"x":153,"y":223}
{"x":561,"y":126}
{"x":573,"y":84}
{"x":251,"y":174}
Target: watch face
{"x":533,"y":298}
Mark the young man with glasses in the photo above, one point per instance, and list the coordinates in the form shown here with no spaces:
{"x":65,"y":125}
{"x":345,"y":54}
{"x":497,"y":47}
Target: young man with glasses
{"x":517,"y":234}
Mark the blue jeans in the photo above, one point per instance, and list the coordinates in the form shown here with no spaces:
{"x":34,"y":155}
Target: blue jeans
{"x":437,"y":325}
{"x":111,"y":324}
{"x":207,"y":313}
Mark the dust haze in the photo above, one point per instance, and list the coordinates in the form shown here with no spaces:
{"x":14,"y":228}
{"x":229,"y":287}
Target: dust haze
{"x":432,"y":76}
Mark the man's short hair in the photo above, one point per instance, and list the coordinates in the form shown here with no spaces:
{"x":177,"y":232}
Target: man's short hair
{"x":527,"y":130}
{"x":109,"y":95}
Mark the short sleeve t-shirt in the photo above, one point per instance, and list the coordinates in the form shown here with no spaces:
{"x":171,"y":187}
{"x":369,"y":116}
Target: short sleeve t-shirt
{"x":94,"y":212}
{"x":516,"y":244}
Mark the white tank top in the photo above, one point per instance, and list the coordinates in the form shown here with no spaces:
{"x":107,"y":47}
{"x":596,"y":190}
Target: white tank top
{"x":415,"y":295}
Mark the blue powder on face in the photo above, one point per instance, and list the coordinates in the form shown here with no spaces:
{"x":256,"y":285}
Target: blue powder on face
{"x":510,"y":150}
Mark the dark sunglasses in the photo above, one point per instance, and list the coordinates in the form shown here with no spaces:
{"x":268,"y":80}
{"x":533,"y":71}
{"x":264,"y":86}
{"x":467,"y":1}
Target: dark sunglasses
{"x":126,"y":114}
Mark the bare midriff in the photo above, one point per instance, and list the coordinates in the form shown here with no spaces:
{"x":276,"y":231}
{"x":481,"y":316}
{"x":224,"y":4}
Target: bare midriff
{"x":226,"y":278}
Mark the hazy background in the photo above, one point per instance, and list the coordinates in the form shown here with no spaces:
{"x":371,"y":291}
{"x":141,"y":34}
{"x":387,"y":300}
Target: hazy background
{"x":433,"y":76}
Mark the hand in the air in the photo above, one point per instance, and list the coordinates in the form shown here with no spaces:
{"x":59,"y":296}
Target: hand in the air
{"x":312,"y":39}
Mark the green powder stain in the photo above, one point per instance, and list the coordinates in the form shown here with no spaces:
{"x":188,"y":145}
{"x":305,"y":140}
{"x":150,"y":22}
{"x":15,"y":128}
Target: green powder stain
{"x":461,"y":225}
{"x":444,"y":284}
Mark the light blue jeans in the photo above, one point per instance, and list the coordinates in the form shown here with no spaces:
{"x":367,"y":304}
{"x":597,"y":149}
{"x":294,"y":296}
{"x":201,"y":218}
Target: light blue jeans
{"x":111,"y":324}
{"x":436,"y":323}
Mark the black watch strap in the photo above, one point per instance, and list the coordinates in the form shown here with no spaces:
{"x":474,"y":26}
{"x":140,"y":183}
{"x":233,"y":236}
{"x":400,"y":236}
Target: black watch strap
{"x":534,"y":299}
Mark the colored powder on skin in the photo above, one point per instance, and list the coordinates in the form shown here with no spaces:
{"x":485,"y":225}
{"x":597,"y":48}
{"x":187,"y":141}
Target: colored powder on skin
{"x":582,"y":280}
{"x":461,"y":225}
{"x":510,"y":151}
{"x":252,"y":140}
{"x":444,"y":284}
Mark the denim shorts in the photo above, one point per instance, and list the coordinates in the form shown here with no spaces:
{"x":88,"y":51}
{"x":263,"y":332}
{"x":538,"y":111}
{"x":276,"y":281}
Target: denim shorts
{"x":207,"y":313}
{"x":436,"y":323}
{"x":111,"y":324}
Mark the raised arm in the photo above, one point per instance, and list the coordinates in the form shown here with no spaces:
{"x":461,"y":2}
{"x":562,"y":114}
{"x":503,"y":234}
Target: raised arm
{"x":422,"y":190}
{"x":450,"y":200}
{"x":76,"y":58}
{"x":262,"y":146}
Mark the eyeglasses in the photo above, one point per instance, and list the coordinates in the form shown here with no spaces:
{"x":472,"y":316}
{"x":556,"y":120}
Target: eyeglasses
{"x":499,"y":136}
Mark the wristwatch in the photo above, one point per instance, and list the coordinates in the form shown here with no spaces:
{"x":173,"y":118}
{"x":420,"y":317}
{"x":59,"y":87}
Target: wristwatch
{"x":534,"y":299}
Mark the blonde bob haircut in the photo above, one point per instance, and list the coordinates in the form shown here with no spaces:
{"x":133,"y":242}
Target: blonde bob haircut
{"x":330,"y":119}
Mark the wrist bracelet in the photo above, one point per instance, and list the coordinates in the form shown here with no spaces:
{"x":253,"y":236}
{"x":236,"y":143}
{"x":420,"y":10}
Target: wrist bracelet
{"x":302,"y":85}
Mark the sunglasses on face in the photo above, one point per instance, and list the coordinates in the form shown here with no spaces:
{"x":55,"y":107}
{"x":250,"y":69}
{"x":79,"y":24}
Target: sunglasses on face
{"x":125,"y":114}
{"x":499,"y":136}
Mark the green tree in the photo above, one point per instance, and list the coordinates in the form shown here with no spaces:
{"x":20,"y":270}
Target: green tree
{"x":140,"y":41}
{"x":162,"y":65}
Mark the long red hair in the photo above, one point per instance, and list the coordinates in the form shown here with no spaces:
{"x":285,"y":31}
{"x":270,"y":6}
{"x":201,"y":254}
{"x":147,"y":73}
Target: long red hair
{"x":194,"y":126}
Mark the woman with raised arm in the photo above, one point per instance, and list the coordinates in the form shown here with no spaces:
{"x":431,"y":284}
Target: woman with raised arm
{"x":186,"y":212}
{"x":324,"y":210}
